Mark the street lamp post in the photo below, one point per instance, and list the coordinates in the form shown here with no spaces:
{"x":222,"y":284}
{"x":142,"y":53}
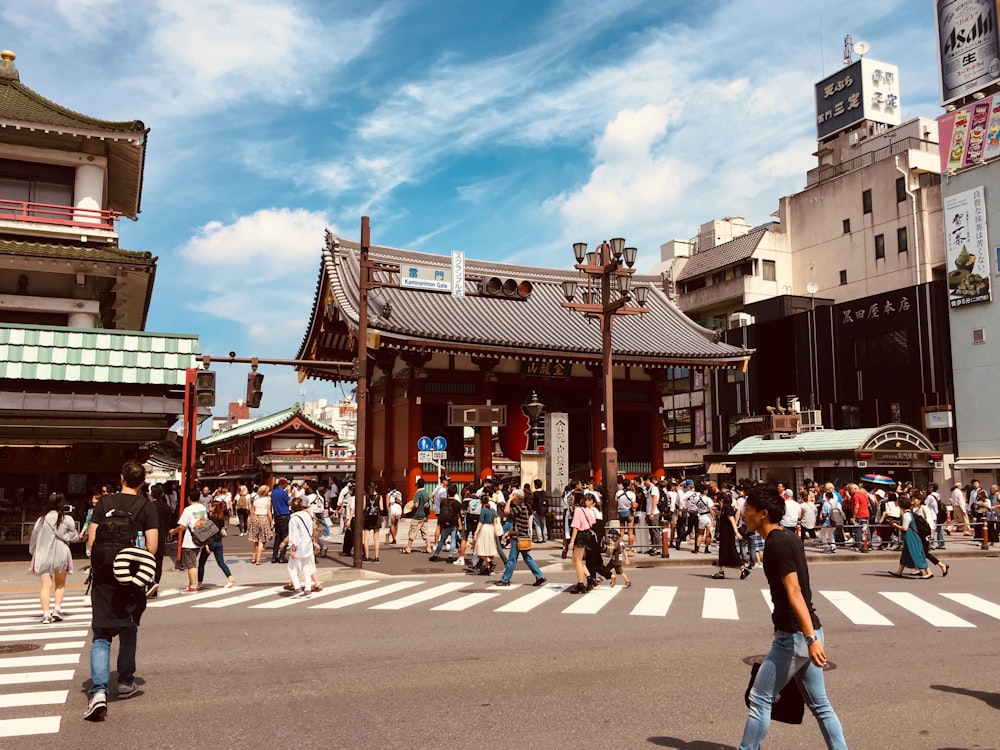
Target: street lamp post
{"x":603,"y":303}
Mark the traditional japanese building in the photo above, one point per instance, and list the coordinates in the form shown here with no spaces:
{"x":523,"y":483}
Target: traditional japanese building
{"x":434,"y":356}
{"x":82,"y":386}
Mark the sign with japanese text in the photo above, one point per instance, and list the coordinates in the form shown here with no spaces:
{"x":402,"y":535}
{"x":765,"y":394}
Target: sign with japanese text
{"x":557,"y":450}
{"x":970,"y":135}
{"x":967,"y":248}
{"x":893,"y":305}
{"x":968,"y":46}
{"x":431,"y":278}
{"x":558,"y":370}
{"x":864,"y":90}
{"x":458,"y":273}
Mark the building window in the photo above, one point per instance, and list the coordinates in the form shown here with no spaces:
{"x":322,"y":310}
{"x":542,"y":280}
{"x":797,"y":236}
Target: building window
{"x":879,"y":247}
{"x":847,"y":226}
{"x":678,"y":380}
{"x":882,"y":350}
{"x":900,"y":189}
{"x":718,"y":277}
{"x":677,"y":427}
{"x":901,"y":241}
{"x":694,"y":284}
{"x":850,"y":415}
{"x":843,"y":277}
{"x":866,"y":201}
{"x":769,"y":271}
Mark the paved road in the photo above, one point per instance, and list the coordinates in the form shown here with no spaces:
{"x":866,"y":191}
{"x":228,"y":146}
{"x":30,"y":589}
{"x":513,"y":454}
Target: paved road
{"x":443,"y":661}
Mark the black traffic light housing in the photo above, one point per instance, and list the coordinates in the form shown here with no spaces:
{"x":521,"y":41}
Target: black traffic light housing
{"x":254,"y":393}
{"x":204,"y":388}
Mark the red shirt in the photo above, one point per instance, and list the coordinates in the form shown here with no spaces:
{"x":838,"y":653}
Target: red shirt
{"x":859,"y":504}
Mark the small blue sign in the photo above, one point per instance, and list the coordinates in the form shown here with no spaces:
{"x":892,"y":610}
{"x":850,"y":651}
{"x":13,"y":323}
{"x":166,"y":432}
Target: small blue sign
{"x":440,"y":444}
{"x":424,"y":444}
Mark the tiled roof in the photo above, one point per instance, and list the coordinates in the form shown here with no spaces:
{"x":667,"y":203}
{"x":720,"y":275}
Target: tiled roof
{"x":18,"y":102}
{"x":263,"y":424}
{"x":721,"y":256}
{"x":536,"y":327}
{"x":86,"y":355}
{"x":101,"y":252}
{"x":808,"y":442}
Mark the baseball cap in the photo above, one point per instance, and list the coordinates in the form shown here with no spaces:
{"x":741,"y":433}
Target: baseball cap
{"x":282,"y":480}
{"x":614,"y":532}
{"x":880,"y":493}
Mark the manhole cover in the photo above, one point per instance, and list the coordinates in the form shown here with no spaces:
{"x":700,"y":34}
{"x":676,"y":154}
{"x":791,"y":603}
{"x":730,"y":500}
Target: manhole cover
{"x":428,"y":571}
{"x":17,"y":648}
{"x":758,"y":658}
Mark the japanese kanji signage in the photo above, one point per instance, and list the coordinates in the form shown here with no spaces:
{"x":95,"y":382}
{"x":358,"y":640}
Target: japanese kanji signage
{"x":968,"y":47}
{"x":970,"y":135}
{"x":967,"y":248}
{"x":865,"y":90}
{"x":893,"y":305}
{"x":559,"y":370}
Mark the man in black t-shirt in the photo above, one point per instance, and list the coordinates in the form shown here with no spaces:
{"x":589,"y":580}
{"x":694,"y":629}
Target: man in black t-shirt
{"x":797,"y":650}
{"x":116,"y":608}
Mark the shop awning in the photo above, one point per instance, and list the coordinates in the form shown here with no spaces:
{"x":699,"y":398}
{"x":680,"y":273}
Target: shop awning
{"x":720,"y":469}
{"x":978,"y":463}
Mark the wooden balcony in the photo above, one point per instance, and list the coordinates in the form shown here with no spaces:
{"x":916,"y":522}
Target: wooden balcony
{"x":61,"y":216}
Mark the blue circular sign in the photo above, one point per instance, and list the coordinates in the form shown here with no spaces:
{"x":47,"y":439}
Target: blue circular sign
{"x":424,"y":444}
{"x":440,"y":444}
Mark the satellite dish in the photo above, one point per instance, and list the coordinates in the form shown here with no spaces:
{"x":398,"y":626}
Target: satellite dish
{"x":812,"y":287}
{"x":861,"y":48}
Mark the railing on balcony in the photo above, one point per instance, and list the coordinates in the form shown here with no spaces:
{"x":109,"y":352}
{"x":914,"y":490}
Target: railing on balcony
{"x":65,"y":216}
{"x":829,"y":171}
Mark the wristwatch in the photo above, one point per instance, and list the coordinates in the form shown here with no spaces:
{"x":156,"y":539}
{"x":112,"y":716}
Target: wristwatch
{"x":811,"y":639}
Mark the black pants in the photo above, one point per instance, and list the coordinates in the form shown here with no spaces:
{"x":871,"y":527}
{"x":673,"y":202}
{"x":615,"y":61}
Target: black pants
{"x":280,"y":534}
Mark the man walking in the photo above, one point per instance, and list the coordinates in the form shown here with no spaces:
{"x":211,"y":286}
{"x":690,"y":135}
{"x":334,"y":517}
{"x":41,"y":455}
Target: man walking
{"x":281,"y":512}
{"x":518,"y":511}
{"x":797,"y":650}
{"x":418,"y":521}
{"x":117,"y":608}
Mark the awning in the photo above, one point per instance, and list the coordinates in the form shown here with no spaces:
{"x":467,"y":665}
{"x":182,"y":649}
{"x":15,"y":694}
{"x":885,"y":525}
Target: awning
{"x":719,"y":469}
{"x":978,"y":463}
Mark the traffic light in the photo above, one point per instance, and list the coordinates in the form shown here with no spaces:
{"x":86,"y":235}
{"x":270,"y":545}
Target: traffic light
{"x":204,"y":388}
{"x":254,"y":393}
{"x":509,"y":288}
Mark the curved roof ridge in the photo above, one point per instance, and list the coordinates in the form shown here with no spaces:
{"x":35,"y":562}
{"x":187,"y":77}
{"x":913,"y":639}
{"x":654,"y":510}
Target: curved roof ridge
{"x":20,"y":102}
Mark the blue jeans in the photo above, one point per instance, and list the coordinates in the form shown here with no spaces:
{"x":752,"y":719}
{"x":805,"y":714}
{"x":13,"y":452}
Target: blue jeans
{"x":538,"y":523}
{"x":508,"y":571}
{"x":788,"y":659}
{"x":860,"y":524}
{"x":216,"y":549}
{"x":100,"y":657}
{"x":448,"y":532}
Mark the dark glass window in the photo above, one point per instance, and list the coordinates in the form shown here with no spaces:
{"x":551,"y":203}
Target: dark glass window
{"x":882,"y":350}
{"x":866,"y":201}
{"x":843,"y":277}
{"x":879,"y":247}
{"x":847,"y":226}
{"x":901,"y":240}
{"x":900,"y":190}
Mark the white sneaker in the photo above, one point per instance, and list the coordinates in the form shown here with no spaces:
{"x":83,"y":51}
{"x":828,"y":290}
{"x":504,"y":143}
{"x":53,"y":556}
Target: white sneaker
{"x":58,"y":615}
{"x":459,"y":561}
{"x":97,"y":707}
{"x":47,"y":618}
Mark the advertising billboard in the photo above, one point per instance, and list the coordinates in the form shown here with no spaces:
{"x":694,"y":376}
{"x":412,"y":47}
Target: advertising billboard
{"x":967,"y":248}
{"x":968,"y":46}
{"x":864,"y":90}
{"x":970,"y":135}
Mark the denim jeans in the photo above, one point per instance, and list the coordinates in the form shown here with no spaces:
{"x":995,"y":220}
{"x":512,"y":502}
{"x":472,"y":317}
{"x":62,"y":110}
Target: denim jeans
{"x":216,"y":549}
{"x":538,"y":523}
{"x":446,"y":533}
{"x":508,"y":571}
{"x":100,"y":657}
{"x":788,"y":659}
{"x":860,"y":525}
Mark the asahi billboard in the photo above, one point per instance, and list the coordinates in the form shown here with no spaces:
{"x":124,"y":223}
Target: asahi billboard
{"x":968,"y":46}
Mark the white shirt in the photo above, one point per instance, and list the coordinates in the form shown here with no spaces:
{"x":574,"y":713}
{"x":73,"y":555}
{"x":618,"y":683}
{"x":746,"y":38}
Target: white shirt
{"x":652,"y":500}
{"x":300,"y":528}
{"x":191,"y":515}
{"x":792,"y":514}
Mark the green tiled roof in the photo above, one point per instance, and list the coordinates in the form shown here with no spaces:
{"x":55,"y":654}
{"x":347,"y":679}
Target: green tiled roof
{"x":95,"y":252}
{"x":18,"y":102}
{"x":809,"y":442}
{"x":88,"y":355}
{"x":262,"y":424}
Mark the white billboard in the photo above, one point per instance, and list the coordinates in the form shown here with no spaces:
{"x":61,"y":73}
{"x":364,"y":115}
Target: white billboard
{"x":968,"y":46}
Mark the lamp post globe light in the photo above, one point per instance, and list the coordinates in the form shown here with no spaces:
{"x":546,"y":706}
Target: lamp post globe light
{"x":603,"y":301}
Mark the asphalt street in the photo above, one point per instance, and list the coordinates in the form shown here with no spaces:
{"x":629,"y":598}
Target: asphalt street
{"x":443,"y":661}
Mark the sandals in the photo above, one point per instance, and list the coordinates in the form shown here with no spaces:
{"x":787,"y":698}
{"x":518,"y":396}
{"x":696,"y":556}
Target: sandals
{"x":405,"y":552}
{"x":895,"y":575}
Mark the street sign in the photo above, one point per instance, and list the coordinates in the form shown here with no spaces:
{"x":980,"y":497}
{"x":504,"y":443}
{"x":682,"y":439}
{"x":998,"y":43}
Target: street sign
{"x":440,"y":444}
{"x":439,"y":455}
{"x":425,"y":457}
{"x":458,"y":273}
{"x":424,"y":444}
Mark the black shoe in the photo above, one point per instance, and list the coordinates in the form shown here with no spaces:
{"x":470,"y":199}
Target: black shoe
{"x":719,"y":574}
{"x":539,"y":582}
{"x":273,"y":562}
{"x":501,"y":583}
{"x":433,"y":558}
{"x":578,"y":589}
{"x":694,"y":551}
{"x":483,"y":572}
{"x":744,"y":573}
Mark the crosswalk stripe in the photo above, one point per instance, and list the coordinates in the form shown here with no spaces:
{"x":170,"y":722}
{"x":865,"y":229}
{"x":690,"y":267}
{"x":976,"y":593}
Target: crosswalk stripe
{"x":766,"y":593}
{"x":289,"y":601}
{"x":67,"y":601}
{"x":365,"y":596}
{"x":655,"y":602}
{"x":41,"y":698}
{"x":36,"y":614}
{"x":240,"y":599}
{"x":43,"y":635}
{"x":9,"y":662}
{"x":22,"y":678}
{"x":592,"y":602}
{"x":201,"y":595}
{"x":854,"y":609}
{"x":977,"y":603}
{"x":468,"y":601}
{"x":32,"y":624}
{"x":62,"y":645}
{"x":535,"y":599}
{"x":422,"y":596}
{"x":25,"y":727}
{"x":719,"y":604}
{"x":926,"y":611}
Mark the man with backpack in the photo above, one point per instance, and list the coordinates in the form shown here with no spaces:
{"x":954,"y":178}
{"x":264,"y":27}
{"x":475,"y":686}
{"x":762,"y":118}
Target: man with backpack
{"x":195,"y":514}
{"x":117,"y":607}
{"x":450,"y":523}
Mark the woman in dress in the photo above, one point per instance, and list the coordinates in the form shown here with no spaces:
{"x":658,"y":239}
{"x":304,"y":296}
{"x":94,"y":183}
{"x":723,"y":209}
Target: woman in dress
{"x":301,"y":548}
{"x":484,"y":540}
{"x":912,"y":555}
{"x":216,"y":515}
{"x":729,"y":557}
{"x":51,"y":559}
{"x":374,"y":509}
{"x":261,"y":526}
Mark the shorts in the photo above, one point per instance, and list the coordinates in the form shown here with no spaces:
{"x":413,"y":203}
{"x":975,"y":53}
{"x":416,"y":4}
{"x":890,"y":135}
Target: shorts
{"x":616,"y":567}
{"x":189,"y":557}
{"x":416,"y":526}
{"x":704,"y":521}
{"x":371,"y":523}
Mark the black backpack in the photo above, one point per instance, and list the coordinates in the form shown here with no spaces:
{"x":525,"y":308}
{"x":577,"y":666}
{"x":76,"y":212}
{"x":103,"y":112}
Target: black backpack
{"x":447,"y":515}
{"x":371,"y":506}
{"x":119,"y":528}
{"x":942,"y":514}
{"x":923,"y":528}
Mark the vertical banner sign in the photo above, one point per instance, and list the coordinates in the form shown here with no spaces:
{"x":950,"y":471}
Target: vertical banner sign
{"x":968,"y":46}
{"x":457,"y":273}
{"x":967,"y":248}
{"x":557,"y":451}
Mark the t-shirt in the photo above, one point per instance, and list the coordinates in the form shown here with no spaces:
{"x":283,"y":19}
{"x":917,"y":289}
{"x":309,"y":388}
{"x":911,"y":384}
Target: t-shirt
{"x":652,"y":500}
{"x":784,"y":553}
{"x":522,"y":520}
{"x":420,"y":502}
{"x":189,"y":519}
{"x":279,"y":502}
{"x":625,"y":499}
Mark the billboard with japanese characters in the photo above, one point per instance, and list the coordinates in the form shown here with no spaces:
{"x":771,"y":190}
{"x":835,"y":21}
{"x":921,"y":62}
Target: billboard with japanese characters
{"x":967,"y":248}
{"x":864,"y":90}
{"x":968,"y":46}
{"x":970,"y":135}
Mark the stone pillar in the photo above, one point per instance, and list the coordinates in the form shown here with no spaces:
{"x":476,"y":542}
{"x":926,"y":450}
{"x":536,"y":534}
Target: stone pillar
{"x":88,"y":193}
{"x":556,"y":451}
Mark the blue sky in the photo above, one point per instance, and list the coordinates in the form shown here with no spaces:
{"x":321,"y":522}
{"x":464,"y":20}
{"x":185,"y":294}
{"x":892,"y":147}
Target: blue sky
{"x":507,"y":130}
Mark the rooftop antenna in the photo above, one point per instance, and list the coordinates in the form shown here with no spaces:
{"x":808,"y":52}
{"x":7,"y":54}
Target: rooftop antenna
{"x":861,"y":48}
{"x":848,"y":49}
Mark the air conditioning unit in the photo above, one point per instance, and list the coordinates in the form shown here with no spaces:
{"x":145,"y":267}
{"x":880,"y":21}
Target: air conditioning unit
{"x":740,"y":320}
{"x":812,"y":420}
{"x":855,"y":138}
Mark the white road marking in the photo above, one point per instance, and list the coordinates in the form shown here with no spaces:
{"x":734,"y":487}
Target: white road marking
{"x":365,"y":596}
{"x":9,"y":662}
{"x":977,"y":603}
{"x":592,"y":602}
{"x":422,"y":596}
{"x":719,"y":604}
{"x":290,"y":601}
{"x":766,"y":593}
{"x":42,"y":698}
{"x":67,"y":601}
{"x":21,"y":678}
{"x":32,"y":624}
{"x":655,"y":602}
{"x":536,"y":598}
{"x":66,"y":645}
{"x":471,"y":600}
{"x":854,"y":609}
{"x":158,"y":603}
{"x":925,"y":611}
{"x":43,"y":635}
{"x":240,"y":598}
{"x":25,"y":727}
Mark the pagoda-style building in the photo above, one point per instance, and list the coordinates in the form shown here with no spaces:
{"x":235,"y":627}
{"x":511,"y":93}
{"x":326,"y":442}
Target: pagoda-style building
{"x":82,"y":386}
{"x":430,"y":352}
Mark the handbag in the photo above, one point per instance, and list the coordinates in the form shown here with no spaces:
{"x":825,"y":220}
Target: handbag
{"x":523,"y":543}
{"x":789,"y":707}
